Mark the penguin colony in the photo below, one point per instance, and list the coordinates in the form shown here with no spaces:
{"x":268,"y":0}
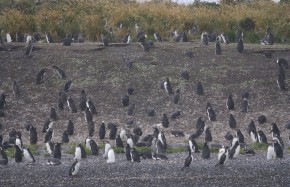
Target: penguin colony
{"x":111,"y":137}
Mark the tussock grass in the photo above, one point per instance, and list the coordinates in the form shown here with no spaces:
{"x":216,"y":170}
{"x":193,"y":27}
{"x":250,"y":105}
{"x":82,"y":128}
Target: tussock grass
{"x":92,"y":18}
{"x":259,"y":146}
{"x":175,"y":149}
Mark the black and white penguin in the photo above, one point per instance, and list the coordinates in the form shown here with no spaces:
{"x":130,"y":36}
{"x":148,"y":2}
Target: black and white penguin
{"x":205,"y":151}
{"x":91,"y":106}
{"x":135,"y":156}
{"x":164,"y":121}
{"x":53,"y":161}
{"x":252,"y":132}
{"x":70,"y":128}
{"x":175,"y":115}
{"x":102,"y":131}
{"x":281,"y":83}
{"x":218,"y":49}
{"x":275,"y":131}
{"x":18,"y":140}
{"x":94,"y":147}
{"x":145,"y":46}
{"x":131,"y":109}
{"x":48,"y":136}
{"x":185,"y":74}
{"x":229,"y":137}
{"x":176,"y":97}
{"x":91,"y":128}
{"x":49,"y":147}
{"x":71,"y":105}
{"x":68,"y":86}
{"x":128,"y":152}
{"x":193,"y":145}
{"x":199,"y":89}
{"x":239,"y":35}
{"x":57,"y":151}
{"x":223,"y":156}
{"x":167,"y":86}
{"x":4,"y":158}
{"x":40,"y":76}
{"x":159,"y":146}
{"x":48,"y":124}
{"x":119,"y":142}
{"x":18,"y":154}
{"x":111,"y":156}
{"x":52,"y":114}
{"x":278,"y":148}
{"x":126,"y":38}
{"x":28,"y":155}
{"x":125,"y":100}
{"x":188,"y":159}
{"x":15,"y":88}
{"x":262,"y":119}
{"x":207,"y":135}
{"x":137,"y":131}
{"x":105,"y":40}
{"x":113,"y":132}
{"x":282,"y":62}
{"x":74,"y":169}
{"x":67,"y":40}
{"x":204,"y":38}
{"x":88,"y":115}
{"x":232,"y":122}
{"x":271,"y":154}
{"x":48,"y":38}
{"x":65,"y":137}
{"x":184,"y":37}
{"x":59,"y":71}
{"x":82,"y":104}
{"x":62,"y":98}
{"x":107,"y":147}
{"x":33,"y":135}
{"x":245,"y":105}
{"x":8,"y":38}
{"x":157,"y":37}
{"x":262,"y":137}
{"x":281,"y":72}
{"x":230,"y":103}
{"x":210,"y":112}
{"x":162,"y":138}
{"x":235,"y":148}
{"x":240,"y":46}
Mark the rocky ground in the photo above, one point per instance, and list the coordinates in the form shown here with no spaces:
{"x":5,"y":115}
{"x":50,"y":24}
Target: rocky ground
{"x":103,"y":74}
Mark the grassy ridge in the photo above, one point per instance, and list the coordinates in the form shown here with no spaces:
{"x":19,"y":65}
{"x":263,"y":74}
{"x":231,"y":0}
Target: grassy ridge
{"x":92,"y":17}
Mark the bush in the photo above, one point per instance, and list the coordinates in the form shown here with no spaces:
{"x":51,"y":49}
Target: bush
{"x":247,"y":24}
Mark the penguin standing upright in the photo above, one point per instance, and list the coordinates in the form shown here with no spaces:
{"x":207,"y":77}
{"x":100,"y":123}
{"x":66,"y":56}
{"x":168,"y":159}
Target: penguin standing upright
{"x":252,"y":132}
{"x":230,"y":103}
{"x":74,"y":169}
{"x":107,"y":147}
{"x":223,"y":156}
{"x":91,"y":106}
{"x":240,"y":46}
{"x":275,"y":131}
{"x":131,"y":109}
{"x":210,"y":112}
{"x":78,"y":153}
{"x":88,"y":115}
{"x":245,"y":105}
{"x":111,"y":156}
{"x":102,"y":131}
{"x":28,"y":155}
{"x":277,"y":148}
{"x":193,"y":145}
{"x":52,"y":115}
{"x":271,"y":154}
{"x":176,"y":97}
{"x":165,"y":121}
{"x":232,"y":122}
{"x":71,"y":104}
{"x":125,"y":100}
{"x":32,"y":135}
{"x":208,"y":136}
{"x":57,"y":151}
{"x":234,"y":150}
{"x":119,"y":142}
{"x":4,"y":158}
{"x":135,"y":155}
{"x":240,"y":136}
{"x":262,"y":137}
{"x":65,"y":137}
{"x":218,"y":49}
{"x":188,"y":159}
{"x":128,"y":152}
{"x":91,"y":128}
{"x":94,"y":147}
{"x":204,"y":38}
{"x":48,"y":38}
{"x":205,"y":151}
{"x":168,"y":87}
{"x":18,"y":154}
{"x":48,"y":135}
{"x":113,"y":132}
{"x":68,"y":85}
{"x":70,"y":128}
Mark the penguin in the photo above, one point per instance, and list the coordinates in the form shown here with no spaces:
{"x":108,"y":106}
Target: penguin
{"x":188,"y":53}
{"x":188,"y":159}
{"x":205,"y":151}
{"x":218,"y":49}
{"x":2,"y":101}
{"x":119,"y":142}
{"x":52,"y":115}
{"x":232,"y":122}
{"x":53,"y":161}
{"x":275,"y":131}
{"x":200,"y":124}
{"x":107,"y":147}
{"x":281,"y":83}
{"x":66,"y":41}
{"x":151,"y":112}
{"x":65,"y":137}
{"x":262,"y":119}
{"x":240,"y":46}
{"x":230,"y":103}
{"x":229,"y":136}
{"x":177,"y":133}
{"x":131,"y":109}
{"x":32,"y":135}
{"x":162,"y":138}
{"x":175,"y":115}
{"x":127,"y":38}
{"x":176,"y":97}
{"x":130,"y":141}
{"x":135,"y":156}
{"x":83,"y":151}
{"x":80,"y":38}
{"x":62,"y":98}
{"x":78,"y":153}
{"x":210,"y":112}
{"x":125,"y":100}
{"x":48,"y":124}
{"x":49,"y":147}
{"x":15,"y":88}
{"x":141,"y":36}
{"x":208,"y":136}
{"x":123,"y":134}
{"x":18,"y":154}
{"x":94,"y":147}
{"x":8,"y":38}
{"x":71,"y":104}
{"x":4,"y":158}
{"x":105,"y":40}
{"x":113,"y":133}
{"x":155,"y":132}
{"x":70,"y":128}
{"x":87,"y":142}
{"x":277,"y":148}
{"x":239,"y":35}
{"x":102,"y":131}
{"x":204,"y":38}
{"x":74,"y":169}
{"x":281,"y":73}
{"x":137,"y":131}
{"x":157,"y":37}
{"x":128,"y":152}
{"x":57,"y":150}
{"x":262,"y":137}
{"x":48,"y":135}
{"x":28,"y":155}
{"x":19,"y":37}
{"x":40,"y":76}
{"x":252,"y":132}
{"x":185,"y":74}
{"x":245,"y":105}
{"x":164,"y":121}
{"x":88,"y":115}
{"x":68,"y":86}
{"x":91,"y":106}
{"x":145,"y":46}
{"x":18,"y":140}
{"x":131,"y":91}
{"x":223,"y":156}
{"x":12,"y":136}
{"x":91,"y":128}
{"x":199,"y":89}
{"x":271,"y":154}
{"x":159,"y":146}
{"x":111,"y":156}
{"x":82,"y":104}
{"x":48,"y":38}
{"x":193,"y":145}
{"x":234,"y":150}
{"x":184,"y":37}
{"x":59,"y":71}
{"x":282,"y":62}
{"x":168,"y":87}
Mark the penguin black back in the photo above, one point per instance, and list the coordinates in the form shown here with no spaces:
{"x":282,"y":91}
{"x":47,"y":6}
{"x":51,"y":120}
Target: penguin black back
{"x":232,"y":122}
{"x":208,"y":136}
{"x":18,"y":154}
{"x":102,"y":131}
{"x":205,"y":151}
{"x":113,"y":132}
{"x":165,"y":121}
{"x":70,"y":128}
{"x":199,"y":89}
{"x":65,"y":137}
{"x":128,"y":152}
{"x":94,"y":147}
{"x":135,"y":155}
{"x":33,"y":135}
